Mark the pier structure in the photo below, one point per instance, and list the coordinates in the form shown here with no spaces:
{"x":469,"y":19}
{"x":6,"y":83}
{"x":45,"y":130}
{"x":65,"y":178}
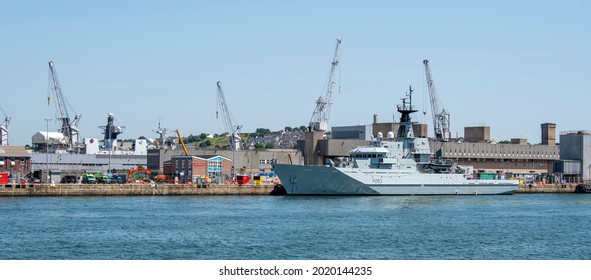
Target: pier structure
{"x":190,"y":189}
{"x":132,"y":189}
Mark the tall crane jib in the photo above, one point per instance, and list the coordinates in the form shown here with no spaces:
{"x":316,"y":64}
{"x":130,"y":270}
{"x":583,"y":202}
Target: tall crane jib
{"x":232,"y":129}
{"x":441,"y":118}
{"x":68,"y":127}
{"x":4,"y":137}
{"x":178,"y":133}
{"x":319,"y":120}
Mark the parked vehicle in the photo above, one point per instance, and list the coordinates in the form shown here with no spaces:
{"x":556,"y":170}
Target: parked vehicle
{"x":69,"y":179}
{"x":88,"y":179}
{"x":118,"y":178}
{"x":102,"y":179}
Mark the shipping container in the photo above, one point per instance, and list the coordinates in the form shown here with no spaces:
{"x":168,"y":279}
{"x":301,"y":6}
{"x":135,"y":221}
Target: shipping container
{"x":487,"y":176}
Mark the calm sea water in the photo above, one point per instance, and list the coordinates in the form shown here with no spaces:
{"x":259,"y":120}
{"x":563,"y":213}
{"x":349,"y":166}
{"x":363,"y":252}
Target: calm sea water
{"x":532,"y":226}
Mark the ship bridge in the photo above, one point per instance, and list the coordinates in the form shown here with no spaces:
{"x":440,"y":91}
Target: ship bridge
{"x":369,"y":152}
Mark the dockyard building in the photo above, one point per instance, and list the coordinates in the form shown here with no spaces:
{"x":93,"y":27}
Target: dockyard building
{"x":510,"y":160}
{"x":57,"y":165}
{"x":515,"y":159}
{"x":189,"y":169}
{"x":245,"y":161}
{"x":15,"y":164}
{"x":575,"y":155}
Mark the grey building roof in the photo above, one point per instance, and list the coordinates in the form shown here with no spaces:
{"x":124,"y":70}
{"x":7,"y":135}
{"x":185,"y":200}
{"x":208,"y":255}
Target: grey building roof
{"x":13,"y":151}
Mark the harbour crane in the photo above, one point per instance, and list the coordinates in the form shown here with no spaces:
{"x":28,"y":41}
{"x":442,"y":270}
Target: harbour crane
{"x":68,"y":127}
{"x":4,"y":128}
{"x":178,"y":133}
{"x":440,"y":116}
{"x":319,"y":120}
{"x":232,"y":129}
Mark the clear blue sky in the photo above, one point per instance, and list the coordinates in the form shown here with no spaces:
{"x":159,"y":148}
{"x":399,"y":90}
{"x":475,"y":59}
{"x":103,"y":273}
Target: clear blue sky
{"x":511,"y":65}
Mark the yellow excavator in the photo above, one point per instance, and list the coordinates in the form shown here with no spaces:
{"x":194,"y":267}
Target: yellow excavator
{"x":182,"y":142}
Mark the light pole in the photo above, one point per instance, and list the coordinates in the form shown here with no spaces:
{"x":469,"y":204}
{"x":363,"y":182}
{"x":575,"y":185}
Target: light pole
{"x":79,"y":179}
{"x":47,"y":151}
{"x":233,"y":165}
{"x":110,"y":149}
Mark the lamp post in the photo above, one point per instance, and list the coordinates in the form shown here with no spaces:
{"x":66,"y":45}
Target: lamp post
{"x":47,"y":151}
{"x":233,"y":165}
{"x":110,"y":149}
{"x":79,"y":179}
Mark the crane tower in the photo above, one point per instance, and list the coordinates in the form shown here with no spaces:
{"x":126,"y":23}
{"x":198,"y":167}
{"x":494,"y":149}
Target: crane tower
{"x":319,"y":121}
{"x":4,"y":129}
{"x":232,"y":129}
{"x":68,"y":127}
{"x":440,"y":116}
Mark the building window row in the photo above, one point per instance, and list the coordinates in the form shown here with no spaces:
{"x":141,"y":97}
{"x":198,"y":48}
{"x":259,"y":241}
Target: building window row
{"x":10,"y":161}
{"x":502,"y":155}
{"x":267,"y":161}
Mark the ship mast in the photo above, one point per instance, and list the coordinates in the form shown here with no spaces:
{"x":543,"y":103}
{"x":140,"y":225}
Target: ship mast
{"x":162,"y":133}
{"x":405,"y":128}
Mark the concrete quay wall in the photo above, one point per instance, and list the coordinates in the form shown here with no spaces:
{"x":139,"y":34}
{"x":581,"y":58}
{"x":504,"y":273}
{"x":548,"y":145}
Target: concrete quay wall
{"x":171,"y":189}
{"x":131,"y":189}
{"x":548,"y":188}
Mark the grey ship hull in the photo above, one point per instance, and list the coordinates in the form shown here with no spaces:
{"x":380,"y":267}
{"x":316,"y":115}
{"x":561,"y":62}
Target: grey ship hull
{"x":325,"y":180}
